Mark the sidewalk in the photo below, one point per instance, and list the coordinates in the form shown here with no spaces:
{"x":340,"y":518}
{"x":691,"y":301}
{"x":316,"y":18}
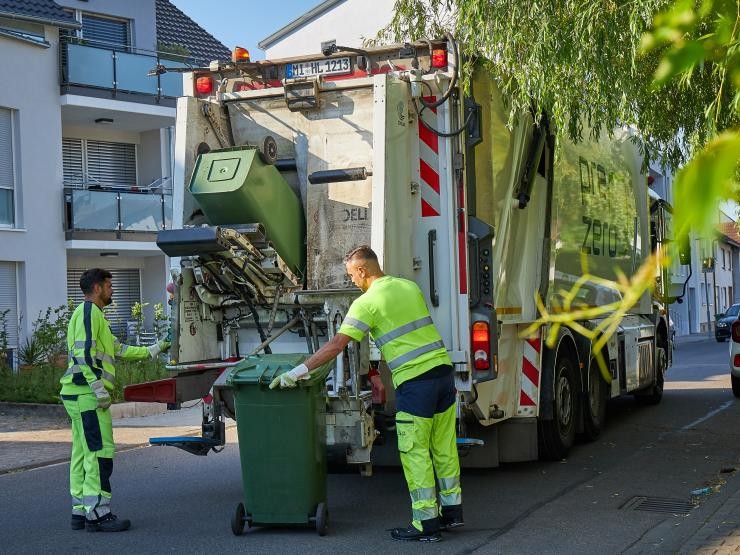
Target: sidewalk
{"x":712,"y":528}
{"x":31,"y":439}
{"x":692,"y":338}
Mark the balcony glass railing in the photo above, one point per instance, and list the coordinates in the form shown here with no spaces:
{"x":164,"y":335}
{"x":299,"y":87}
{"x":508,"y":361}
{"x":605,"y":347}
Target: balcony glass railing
{"x":117,"y":210}
{"x":111,"y":67}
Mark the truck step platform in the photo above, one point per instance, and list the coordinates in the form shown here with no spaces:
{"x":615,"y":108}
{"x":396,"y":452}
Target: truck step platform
{"x":191,"y":444}
{"x":469,"y":442}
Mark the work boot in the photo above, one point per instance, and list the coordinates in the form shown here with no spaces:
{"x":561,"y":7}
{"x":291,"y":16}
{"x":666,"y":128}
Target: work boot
{"x":452,"y":517}
{"x":78,"y":522}
{"x":108,"y":523}
{"x":428,"y":533}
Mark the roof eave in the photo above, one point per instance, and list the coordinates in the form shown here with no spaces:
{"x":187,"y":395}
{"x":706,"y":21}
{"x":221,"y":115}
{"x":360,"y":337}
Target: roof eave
{"x":314,"y":12}
{"x":41,"y":20}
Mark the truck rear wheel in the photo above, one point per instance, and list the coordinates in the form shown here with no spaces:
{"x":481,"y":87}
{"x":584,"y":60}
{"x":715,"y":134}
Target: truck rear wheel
{"x":556,"y":436}
{"x":653,"y":394}
{"x":594,"y":409}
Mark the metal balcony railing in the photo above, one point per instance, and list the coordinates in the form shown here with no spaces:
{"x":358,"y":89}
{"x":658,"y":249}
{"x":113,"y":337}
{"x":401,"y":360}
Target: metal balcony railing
{"x":98,"y":65}
{"x":90,"y":206}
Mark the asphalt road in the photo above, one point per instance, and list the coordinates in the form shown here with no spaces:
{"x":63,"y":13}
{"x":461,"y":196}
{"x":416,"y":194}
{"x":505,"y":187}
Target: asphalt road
{"x":182,"y":503}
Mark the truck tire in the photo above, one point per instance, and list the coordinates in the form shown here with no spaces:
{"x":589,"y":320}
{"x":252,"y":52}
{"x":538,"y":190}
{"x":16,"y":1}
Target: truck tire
{"x":594,"y":407}
{"x":653,"y":394}
{"x":556,"y":436}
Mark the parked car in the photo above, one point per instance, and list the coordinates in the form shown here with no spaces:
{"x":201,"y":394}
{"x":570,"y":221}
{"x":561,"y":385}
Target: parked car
{"x":735,"y":357}
{"x":724,"y":323}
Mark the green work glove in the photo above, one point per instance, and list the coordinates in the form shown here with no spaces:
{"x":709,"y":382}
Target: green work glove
{"x":158,"y":347}
{"x":290,"y":379}
{"x":101,"y":394}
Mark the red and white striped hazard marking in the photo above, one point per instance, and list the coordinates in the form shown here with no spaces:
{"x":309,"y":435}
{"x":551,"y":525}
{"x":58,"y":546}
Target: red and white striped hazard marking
{"x":429,"y":163}
{"x":529,"y":392}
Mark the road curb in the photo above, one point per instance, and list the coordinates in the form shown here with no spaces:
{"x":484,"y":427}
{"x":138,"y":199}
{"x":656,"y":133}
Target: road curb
{"x":34,"y":409}
{"x":118,"y":410}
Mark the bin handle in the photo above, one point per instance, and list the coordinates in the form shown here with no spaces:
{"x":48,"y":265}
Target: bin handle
{"x":263,"y":374}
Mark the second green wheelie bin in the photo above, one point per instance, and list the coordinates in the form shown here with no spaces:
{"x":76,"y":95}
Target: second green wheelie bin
{"x":282,"y":444}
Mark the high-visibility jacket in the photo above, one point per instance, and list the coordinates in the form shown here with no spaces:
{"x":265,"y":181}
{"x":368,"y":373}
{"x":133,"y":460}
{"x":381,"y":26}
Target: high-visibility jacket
{"x":92,"y":349}
{"x":395,"y":314}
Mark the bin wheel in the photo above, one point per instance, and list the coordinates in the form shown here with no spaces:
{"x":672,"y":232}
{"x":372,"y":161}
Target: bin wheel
{"x":268,"y":150}
{"x":238,"y":520}
{"x":322,"y":517}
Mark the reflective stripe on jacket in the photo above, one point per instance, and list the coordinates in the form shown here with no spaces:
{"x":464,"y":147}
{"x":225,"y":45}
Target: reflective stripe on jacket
{"x":92,"y":349}
{"x":395,"y":314}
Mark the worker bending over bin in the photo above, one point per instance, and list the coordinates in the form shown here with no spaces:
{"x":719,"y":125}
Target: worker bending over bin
{"x":86,"y":393}
{"x":395,"y":314}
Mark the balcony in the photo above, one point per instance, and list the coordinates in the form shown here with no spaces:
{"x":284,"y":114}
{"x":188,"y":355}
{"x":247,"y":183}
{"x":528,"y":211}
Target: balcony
{"x":111,"y":71}
{"x":105,"y":213}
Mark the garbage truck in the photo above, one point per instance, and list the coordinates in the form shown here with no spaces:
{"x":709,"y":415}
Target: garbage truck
{"x":282,"y":166}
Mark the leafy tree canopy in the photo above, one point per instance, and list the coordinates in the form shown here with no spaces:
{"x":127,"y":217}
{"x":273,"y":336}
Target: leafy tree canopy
{"x":585,"y":62}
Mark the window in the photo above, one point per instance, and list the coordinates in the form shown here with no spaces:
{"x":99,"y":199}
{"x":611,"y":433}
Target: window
{"x":9,"y":306}
{"x":7,"y":169}
{"x":89,"y":162}
{"x":126,"y":292}
{"x":105,"y":31}
{"x":23,"y":30}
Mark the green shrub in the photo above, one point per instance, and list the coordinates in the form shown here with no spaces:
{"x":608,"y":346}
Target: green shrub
{"x":31,"y":353}
{"x":50,"y":330}
{"x":40,"y":384}
{"x":37,"y":385}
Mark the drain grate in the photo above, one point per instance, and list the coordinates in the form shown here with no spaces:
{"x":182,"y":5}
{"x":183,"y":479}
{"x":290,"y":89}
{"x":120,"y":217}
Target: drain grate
{"x":660,"y":505}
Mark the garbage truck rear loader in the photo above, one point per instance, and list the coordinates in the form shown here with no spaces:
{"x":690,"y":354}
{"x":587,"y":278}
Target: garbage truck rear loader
{"x":285,"y":165}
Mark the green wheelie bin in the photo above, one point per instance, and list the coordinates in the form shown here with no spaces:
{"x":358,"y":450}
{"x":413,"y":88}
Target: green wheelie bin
{"x":282,"y":444}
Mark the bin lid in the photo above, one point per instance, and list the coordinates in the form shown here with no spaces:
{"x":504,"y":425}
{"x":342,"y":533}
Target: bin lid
{"x":262,"y":369}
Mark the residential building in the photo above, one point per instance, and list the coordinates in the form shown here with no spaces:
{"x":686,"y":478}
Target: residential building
{"x":349,"y":22}
{"x":86,"y":141}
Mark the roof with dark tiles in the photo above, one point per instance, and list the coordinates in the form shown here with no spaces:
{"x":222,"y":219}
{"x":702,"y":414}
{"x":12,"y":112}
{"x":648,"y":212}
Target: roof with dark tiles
{"x":39,"y":11}
{"x":174,"y":27}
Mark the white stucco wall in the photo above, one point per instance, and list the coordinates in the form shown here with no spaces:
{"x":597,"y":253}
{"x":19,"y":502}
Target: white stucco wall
{"x":38,"y":244}
{"x":141,"y":13}
{"x":348,"y":22}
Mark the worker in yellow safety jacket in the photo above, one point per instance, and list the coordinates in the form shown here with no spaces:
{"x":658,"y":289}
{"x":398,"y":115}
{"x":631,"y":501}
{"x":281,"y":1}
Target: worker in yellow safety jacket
{"x":395,"y":314}
{"x":86,"y":393}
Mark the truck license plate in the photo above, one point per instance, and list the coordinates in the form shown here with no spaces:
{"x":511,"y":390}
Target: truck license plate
{"x":334,"y":66}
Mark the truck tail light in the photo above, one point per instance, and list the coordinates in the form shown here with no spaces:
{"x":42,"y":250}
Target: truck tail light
{"x":240,"y":55}
{"x":736,"y":331}
{"x":439,"y":57}
{"x":204,"y":84}
{"x":481,"y":345}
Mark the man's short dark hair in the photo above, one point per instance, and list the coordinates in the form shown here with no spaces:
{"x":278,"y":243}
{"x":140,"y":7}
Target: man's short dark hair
{"x":90,"y":278}
{"x":363,"y":252}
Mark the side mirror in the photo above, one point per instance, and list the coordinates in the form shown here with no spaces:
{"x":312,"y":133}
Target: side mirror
{"x":684,"y":250}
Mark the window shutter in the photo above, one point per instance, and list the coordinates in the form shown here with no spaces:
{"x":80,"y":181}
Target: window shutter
{"x":104,"y":30}
{"x":126,"y":292}
{"x":112,"y":164}
{"x":9,"y":301}
{"x":72,"y":164}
